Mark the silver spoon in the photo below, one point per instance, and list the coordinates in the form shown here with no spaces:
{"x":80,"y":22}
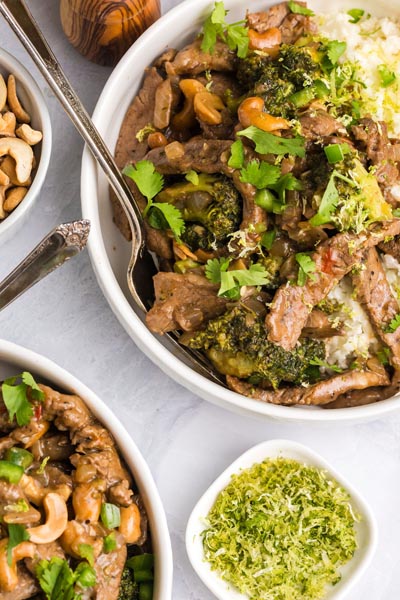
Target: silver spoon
{"x":61,"y":244}
{"x":141,"y":266}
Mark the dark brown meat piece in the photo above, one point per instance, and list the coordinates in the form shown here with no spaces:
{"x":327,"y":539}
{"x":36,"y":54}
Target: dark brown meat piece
{"x":333,"y":259}
{"x":223,"y":131}
{"x":128,"y":148}
{"x":27,"y":586}
{"x":273,"y":17}
{"x":220,"y":83}
{"x":109,"y":569}
{"x":375,"y":294}
{"x":183,"y":302}
{"x":372,"y":138}
{"x":58,"y":447}
{"x":299,"y":230}
{"x":292,"y":26}
{"x":68,"y":411}
{"x":391,"y":247}
{"x":204,"y":156}
{"x":319,"y":326}
{"x":368,"y":396}
{"x":317,"y":394}
{"x":318,"y":124}
{"x":191,"y":60}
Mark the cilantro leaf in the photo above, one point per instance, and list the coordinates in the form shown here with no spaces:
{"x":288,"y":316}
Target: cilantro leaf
{"x":306,"y":268}
{"x":355,"y":14}
{"x":193,"y":177}
{"x":238,"y":39}
{"x":149,"y":182}
{"x":268,"y":143}
{"x":393,"y":325}
{"x":16,"y":535}
{"x":58,"y":580}
{"x":334,"y":50}
{"x":386,"y":76}
{"x":286,"y":182}
{"x":299,"y":9}
{"x":236,"y":158}
{"x":231,"y":281}
{"x":15,"y":397}
{"x":47,"y":573}
{"x":235,"y":35}
{"x":260,"y":174}
{"x":36,"y":392}
{"x":214,"y":267}
{"x":328,"y":204}
{"x":171,"y":218}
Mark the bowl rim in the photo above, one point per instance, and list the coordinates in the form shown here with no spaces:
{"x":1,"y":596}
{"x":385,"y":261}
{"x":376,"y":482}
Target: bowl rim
{"x":58,"y":376}
{"x":25,"y":79}
{"x":272,"y":448}
{"x":133,"y":325}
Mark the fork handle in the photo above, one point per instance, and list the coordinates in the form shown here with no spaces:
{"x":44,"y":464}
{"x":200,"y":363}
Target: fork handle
{"x":25,"y":27}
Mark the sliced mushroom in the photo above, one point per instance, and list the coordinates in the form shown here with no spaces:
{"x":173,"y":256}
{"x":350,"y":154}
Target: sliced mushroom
{"x":8,"y":167}
{"x":13,"y":198}
{"x":3,"y":93}
{"x":207,"y":107}
{"x":21,"y":152}
{"x":8,"y":123}
{"x":163,"y":104}
{"x":56,"y":520}
{"x":29,"y":135}
{"x":186,"y":118}
{"x":14,"y":103}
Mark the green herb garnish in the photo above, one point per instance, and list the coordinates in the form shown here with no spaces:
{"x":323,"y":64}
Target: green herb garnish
{"x":215,"y":26}
{"x":335,"y":50}
{"x":59,"y":581}
{"x":260,"y":174}
{"x":268,"y":143}
{"x":86,"y":551}
{"x":110,"y":515}
{"x":355,"y":14}
{"x":268,"y":239}
{"x":109,"y":542}
{"x":300,"y":10}
{"x":236,"y":158}
{"x":15,"y":396}
{"x":232,"y":281}
{"x":393,"y":325}
{"x":307,"y":268}
{"x":336,"y":152}
{"x":16,"y":535}
{"x":386,"y":76}
{"x":10,"y":472}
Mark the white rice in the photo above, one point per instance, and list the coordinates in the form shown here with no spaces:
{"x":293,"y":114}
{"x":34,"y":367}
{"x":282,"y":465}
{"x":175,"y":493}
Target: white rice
{"x":371,"y":42}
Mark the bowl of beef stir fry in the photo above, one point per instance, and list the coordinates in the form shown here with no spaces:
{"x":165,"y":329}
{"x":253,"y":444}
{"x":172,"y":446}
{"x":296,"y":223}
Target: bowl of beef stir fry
{"x":80,"y":513}
{"x":263,"y":147}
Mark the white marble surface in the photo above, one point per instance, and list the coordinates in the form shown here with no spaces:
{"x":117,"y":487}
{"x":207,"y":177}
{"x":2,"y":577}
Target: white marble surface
{"x":186,"y":441}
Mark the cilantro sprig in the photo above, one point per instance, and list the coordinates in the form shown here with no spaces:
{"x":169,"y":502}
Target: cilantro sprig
{"x":215,"y":26}
{"x":15,"y":397}
{"x":329,"y":200}
{"x":307,"y":268}
{"x":393,"y":325}
{"x":161,"y":215}
{"x":59,"y":581}
{"x":386,"y":76}
{"x":232,"y":281}
{"x":268,"y":143}
{"x":260,"y":174}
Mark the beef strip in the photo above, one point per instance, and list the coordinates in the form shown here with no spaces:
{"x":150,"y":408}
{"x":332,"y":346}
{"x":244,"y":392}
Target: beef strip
{"x":27,"y":586}
{"x":191,"y":60}
{"x":375,"y":295}
{"x":391,"y":247}
{"x":109,"y":569}
{"x":57,"y":447}
{"x":204,"y":156}
{"x":292,"y":25}
{"x":319,"y":326}
{"x":183,"y":302}
{"x":128,"y":148}
{"x":318,"y":394}
{"x":368,"y":396}
{"x":223,"y":131}
{"x":317,"y":124}
{"x":333,"y":259}
{"x":372,"y":138}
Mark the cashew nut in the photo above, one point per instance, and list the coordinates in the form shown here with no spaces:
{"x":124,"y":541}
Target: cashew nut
{"x":130,"y":523}
{"x":29,"y":135}
{"x":8,"y":573}
{"x":3,"y":189}
{"x":15,"y":104}
{"x":268,"y":41}
{"x":8,"y":167}
{"x":186,"y":118}
{"x":250,"y":112}
{"x":21,"y":152}
{"x":207,"y":107}
{"x":87,"y":499}
{"x":26,"y":517}
{"x":35,"y":492}
{"x":4,"y":178}
{"x":13,"y":198}
{"x":3,"y":93}
{"x":56,"y":520}
{"x":76,"y":534}
{"x":7,"y":124}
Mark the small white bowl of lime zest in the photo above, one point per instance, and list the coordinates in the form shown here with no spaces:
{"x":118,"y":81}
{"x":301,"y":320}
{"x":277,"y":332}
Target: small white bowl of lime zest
{"x":365,"y":528}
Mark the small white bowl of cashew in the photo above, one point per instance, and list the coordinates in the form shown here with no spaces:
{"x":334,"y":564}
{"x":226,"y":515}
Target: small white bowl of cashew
{"x":25,"y":143}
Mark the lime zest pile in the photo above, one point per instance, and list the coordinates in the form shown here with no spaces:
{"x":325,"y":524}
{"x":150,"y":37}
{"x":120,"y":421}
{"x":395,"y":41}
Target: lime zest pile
{"x":280,"y":531}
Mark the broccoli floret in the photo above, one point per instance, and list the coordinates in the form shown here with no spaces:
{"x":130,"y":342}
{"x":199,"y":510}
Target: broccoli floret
{"x":236,"y":343}
{"x":301,"y":69}
{"x":211,"y":209}
{"x":128,"y":589}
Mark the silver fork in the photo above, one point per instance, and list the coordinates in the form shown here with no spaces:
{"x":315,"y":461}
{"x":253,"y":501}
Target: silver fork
{"x":141,"y":266}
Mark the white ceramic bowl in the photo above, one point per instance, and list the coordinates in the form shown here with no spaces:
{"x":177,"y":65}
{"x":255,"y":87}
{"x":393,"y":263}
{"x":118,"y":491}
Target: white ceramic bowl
{"x":33,"y":101}
{"x":110,"y":253}
{"x":14,"y":359}
{"x":366,"y":530}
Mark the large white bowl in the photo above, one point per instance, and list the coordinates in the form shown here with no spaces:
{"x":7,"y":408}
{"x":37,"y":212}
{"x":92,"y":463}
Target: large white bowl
{"x":110,"y":253}
{"x":33,"y":101}
{"x":365,"y":529}
{"x":15,"y":359}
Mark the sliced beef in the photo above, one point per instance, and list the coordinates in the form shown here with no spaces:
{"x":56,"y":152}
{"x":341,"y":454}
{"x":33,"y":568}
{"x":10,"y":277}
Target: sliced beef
{"x":369,"y":396}
{"x":375,"y":295}
{"x":222,"y":131}
{"x":58,"y":447}
{"x":252,"y":214}
{"x":191,"y":60}
{"x":69,"y":412}
{"x":317,"y":124}
{"x":333,"y":259}
{"x":109,"y":569}
{"x":27,"y":586}
{"x":292,"y":26}
{"x":318,"y":326}
{"x":391,"y":247}
{"x":296,"y":227}
{"x":44,"y":552}
{"x":128,"y":148}
{"x":372,"y":138}
{"x":221,"y":83}
{"x":317,"y":394}
{"x":204,"y":156}
{"x":183,"y":302}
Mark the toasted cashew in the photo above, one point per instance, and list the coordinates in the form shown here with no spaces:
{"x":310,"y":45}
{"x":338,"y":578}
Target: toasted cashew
{"x":182,"y":251}
{"x":13,"y":198}
{"x":207,"y":107}
{"x":21,"y":152}
{"x":156,"y":140}
{"x":186,"y":118}
{"x":29,"y":135}
{"x":14,"y":103}
{"x":8,"y":167}
{"x":87,"y":499}
{"x":56,"y":520}
{"x":268,"y":41}
{"x":130,"y":523}
{"x":8,"y":573}
{"x":4,"y":178}
{"x":7,"y":124}
{"x":3,"y":189}
{"x":3,"y":93}
{"x":35,"y":492}
{"x":76,"y":534}
{"x":251,"y":112}
{"x":31,"y":515}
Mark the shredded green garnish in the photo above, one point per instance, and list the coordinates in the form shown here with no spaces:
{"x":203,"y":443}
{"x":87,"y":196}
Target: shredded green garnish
{"x":280,"y":531}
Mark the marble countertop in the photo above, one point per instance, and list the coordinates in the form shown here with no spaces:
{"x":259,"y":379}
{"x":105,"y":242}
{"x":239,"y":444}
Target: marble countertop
{"x":186,"y":441}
